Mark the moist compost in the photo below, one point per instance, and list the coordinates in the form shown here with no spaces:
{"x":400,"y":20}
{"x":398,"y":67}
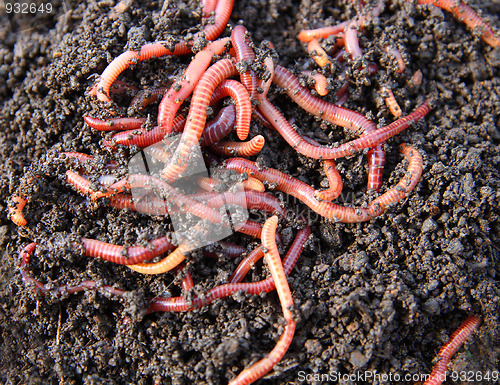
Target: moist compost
{"x":382,"y":295}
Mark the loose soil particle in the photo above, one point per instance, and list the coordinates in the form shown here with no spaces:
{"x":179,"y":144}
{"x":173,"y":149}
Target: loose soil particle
{"x":382,"y":295}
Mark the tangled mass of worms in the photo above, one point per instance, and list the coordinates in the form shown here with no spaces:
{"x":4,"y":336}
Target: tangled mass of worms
{"x":226,"y":86}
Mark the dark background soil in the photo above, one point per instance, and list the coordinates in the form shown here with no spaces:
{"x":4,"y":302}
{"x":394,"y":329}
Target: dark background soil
{"x":382,"y":295}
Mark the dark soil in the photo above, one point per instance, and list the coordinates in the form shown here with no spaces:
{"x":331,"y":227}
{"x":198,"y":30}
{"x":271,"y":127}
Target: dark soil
{"x":383,"y":295}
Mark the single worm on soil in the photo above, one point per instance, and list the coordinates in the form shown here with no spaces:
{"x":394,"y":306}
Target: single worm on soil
{"x":335,"y":184}
{"x":126,"y":255}
{"x":467,"y":15}
{"x":391,"y":101}
{"x":307,"y":35}
{"x":318,"y":54}
{"x":320,"y":82}
{"x":16,"y":210}
{"x":370,"y":140}
{"x":457,"y":339}
{"x":114,"y":124}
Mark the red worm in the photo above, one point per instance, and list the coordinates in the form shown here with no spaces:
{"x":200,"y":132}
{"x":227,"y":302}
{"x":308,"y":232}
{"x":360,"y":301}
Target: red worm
{"x":211,"y":185}
{"x":143,"y":137}
{"x":249,"y":199}
{"x":246,"y":264}
{"x":467,"y":15}
{"x":391,"y":102}
{"x":399,"y":58}
{"x":318,"y":54}
{"x":16,"y":210}
{"x":187,"y":281}
{"x":329,"y":210}
{"x":334,"y":182}
{"x":166,"y":264}
{"x":320,"y":82}
{"x":81,"y":184}
{"x":126,"y":255}
{"x":197,"y":116}
{"x":259,"y":369}
{"x":307,"y":35}
{"x":245,"y":57}
{"x":179,"y":91}
{"x":253,"y":184}
{"x":327,"y":111}
{"x":246,"y":149}
{"x":25,"y":256}
{"x":242,"y":101}
{"x":457,"y":339}
{"x":168,"y":192}
{"x":220,"y":126}
{"x":376,"y":162}
{"x":265,"y":286}
{"x":372,"y":139}
{"x":117,"y":66}
{"x":114,"y":124}
{"x":150,"y":205}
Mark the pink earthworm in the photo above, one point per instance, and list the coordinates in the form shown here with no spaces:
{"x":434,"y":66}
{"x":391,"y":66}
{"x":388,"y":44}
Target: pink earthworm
{"x":143,"y":137}
{"x":273,"y":260}
{"x":335,"y":184}
{"x":179,"y":91}
{"x":318,"y":54}
{"x":166,"y":264}
{"x":220,"y":126}
{"x":241,"y":98}
{"x":331,"y":113}
{"x":307,"y":35}
{"x":118,"y":65}
{"x":245,"y":56}
{"x":149,"y":182}
{"x":249,"y":148}
{"x":25,"y":257}
{"x":114,"y":124}
{"x":150,"y":205}
{"x":467,"y":15}
{"x":16,"y":210}
{"x":329,"y":210}
{"x":197,"y":116}
{"x":391,"y":101}
{"x":253,"y":184}
{"x":457,"y":339}
{"x":249,"y":199}
{"x":370,"y":140}
{"x":209,"y":7}
{"x":126,"y":255}
{"x":320,"y":82}
{"x":225,"y":290}
{"x":399,"y":58}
